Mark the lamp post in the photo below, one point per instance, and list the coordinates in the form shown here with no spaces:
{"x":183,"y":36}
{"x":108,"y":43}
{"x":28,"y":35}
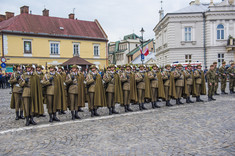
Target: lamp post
{"x":142,"y":44}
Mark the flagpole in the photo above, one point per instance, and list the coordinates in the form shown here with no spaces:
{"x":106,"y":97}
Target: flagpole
{"x":142,"y":42}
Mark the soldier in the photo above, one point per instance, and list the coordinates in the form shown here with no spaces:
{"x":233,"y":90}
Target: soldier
{"x":157,"y":89}
{"x":211,"y":80}
{"x":96,"y":92}
{"x":54,"y":92}
{"x":216,"y":77}
{"x":190,"y":83}
{"x":143,"y":87}
{"x":126,"y":78}
{"x":200,"y":83}
{"x":223,"y":77}
{"x":180,"y":84}
{"x":114,"y":91}
{"x":40,"y":74}
{"x":32,"y":95}
{"x":231,"y":73}
{"x":63,"y":76}
{"x":16,"y":97}
{"x":166,"y":81}
{"x":72,"y":81}
{"x":134,"y":69}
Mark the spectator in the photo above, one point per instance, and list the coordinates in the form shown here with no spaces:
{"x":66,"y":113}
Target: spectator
{"x":1,"y":79}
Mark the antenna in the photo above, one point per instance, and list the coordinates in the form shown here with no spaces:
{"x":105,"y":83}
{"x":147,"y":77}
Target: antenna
{"x":73,"y":10}
{"x":161,"y":4}
{"x":44,"y":6}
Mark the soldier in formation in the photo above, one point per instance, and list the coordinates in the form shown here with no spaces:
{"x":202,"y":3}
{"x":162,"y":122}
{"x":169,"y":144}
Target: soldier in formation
{"x":129,"y":85}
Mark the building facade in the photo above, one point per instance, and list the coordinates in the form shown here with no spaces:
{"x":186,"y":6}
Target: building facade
{"x":197,"y":33}
{"x":45,"y":40}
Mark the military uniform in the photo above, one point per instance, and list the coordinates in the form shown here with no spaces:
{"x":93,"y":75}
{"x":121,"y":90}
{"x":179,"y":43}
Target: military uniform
{"x":179,"y":84}
{"x":166,"y":74}
{"x":72,"y":82}
{"x":125,"y":77}
{"x":216,"y":77}
{"x":223,"y":77}
{"x":109,"y":78}
{"x":231,"y":72}
{"x":211,"y":80}
{"x":16,"y":94}
{"x":140,"y":77}
{"x":198,"y":80}
{"x":63,"y":76}
{"x":190,"y":83}
{"x":154,"y":86}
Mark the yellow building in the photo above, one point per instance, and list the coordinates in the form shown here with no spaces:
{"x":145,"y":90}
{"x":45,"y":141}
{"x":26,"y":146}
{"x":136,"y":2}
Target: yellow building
{"x":45,"y":40}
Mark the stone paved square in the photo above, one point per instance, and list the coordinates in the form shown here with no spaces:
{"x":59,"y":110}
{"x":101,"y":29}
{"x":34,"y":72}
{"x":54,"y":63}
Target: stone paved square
{"x":206,"y":128}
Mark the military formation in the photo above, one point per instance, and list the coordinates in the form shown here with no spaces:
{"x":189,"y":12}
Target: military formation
{"x":61,"y":91}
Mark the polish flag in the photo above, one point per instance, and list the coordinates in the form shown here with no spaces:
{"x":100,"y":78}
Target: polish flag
{"x":146,"y":52}
{"x":141,"y":51}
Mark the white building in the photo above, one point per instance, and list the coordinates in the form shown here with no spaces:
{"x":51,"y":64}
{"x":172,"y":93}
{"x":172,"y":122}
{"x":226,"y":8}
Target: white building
{"x":199,"y":32}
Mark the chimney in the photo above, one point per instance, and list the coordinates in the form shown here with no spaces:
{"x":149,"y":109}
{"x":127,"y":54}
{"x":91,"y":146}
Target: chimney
{"x":9,"y":15}
{"x":45,"y":12}
{"x":24,"y":9}
{"x":161,"y":14}
{"x":192,"y":3}
{"x":2,"y":18}
{"x":71,"y":16}
{"x":197,"y":2}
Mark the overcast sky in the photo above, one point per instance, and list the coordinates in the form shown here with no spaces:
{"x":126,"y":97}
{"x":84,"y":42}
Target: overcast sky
{"x":117,"y":17}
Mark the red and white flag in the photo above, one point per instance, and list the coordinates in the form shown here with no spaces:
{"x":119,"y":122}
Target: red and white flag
{"x":146,"y":52}
{"x":141,"y":51}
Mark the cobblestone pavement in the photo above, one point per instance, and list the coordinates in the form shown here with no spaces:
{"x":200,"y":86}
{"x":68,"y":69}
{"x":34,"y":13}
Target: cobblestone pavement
{"x":206,"y":128}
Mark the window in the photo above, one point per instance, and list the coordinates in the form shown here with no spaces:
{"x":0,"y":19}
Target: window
{"x":220,"y":58}
{"x":76,"y":49}
{"x":187,"y":33}
{"x":27,"y":47}
{"x":220,"y":32}
{"x":188,"y":58}
{"x":96,"y":50}
{"x":55,"y":48}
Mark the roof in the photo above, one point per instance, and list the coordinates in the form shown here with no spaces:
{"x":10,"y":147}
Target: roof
{"x":137,"y":60}
{"x":53,"y":26}
{"x":131,"y":36}
{"x":138,"y":48}
{"x":76,"y":60}
{"x":194,"y":8}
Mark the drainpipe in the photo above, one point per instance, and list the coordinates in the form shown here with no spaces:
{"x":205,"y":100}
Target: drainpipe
{"x":204,"y":37}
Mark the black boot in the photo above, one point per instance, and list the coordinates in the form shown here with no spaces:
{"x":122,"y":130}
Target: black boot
{"x":21,"y":115}
{"x":223,"y":92}
{"x":216,"y":93}
{"x":110,"y":111}
{"x":95,"y":112}
{"x":125,"y":108}
{"x":168,"y":104}
{"x":153,"y":105}
{"x":177,"y":101}
{"x":180,"y":102}
{"x":55,"y":118}
{"x":187,"y":100}
{"x":200,"y":99}
{"x":80,"y":110}
{"x":140,"y":106}
{"x":17,"y":115}
{"x":32,"y":121}
{"x":51,"y":118}
{"x":114,"y":111}
{"x":62,"y":112}
{"x":212,"y":98}
{"x":128,"y":108}
{"x":59,"y":113}
{"x":156,"y":105}
{"x":27,"y":121}
{"x":209,"y":98}
{"x":190,"y":100}
{"x":231,"y":91}
{"x":76,"y":115}
{"x":197,"y":99}
{"x":144,"y":108}
{"x":73,"y":116}
{"x":92,"y":113}
{"x":42,"y":115}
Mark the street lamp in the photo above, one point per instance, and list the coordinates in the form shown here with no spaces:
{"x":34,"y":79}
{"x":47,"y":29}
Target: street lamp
{"x":142,"y":44}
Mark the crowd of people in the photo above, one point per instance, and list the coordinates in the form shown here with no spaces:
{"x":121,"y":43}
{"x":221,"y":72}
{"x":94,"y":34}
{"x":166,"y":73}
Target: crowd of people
{"x":128,"y":85}
{"x":4,"y":80}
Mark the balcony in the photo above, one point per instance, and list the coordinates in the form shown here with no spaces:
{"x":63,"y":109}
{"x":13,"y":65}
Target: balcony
{"x":230,"y":44}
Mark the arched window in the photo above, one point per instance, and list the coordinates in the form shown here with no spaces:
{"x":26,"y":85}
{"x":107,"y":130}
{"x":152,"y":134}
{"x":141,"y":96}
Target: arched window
{"x":220,"y":32}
